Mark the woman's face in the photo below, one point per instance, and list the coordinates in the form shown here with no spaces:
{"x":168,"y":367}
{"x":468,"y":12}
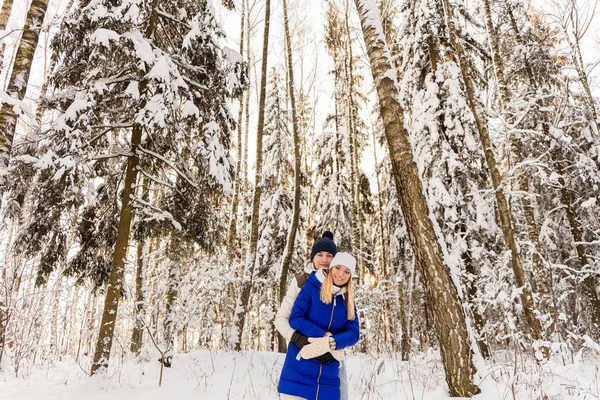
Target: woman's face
{"x":340,"y":274}
{"x":322,"y":259}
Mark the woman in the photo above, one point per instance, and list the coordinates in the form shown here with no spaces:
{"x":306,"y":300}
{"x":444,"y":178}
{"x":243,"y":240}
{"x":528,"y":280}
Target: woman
{"x":325,"y":313}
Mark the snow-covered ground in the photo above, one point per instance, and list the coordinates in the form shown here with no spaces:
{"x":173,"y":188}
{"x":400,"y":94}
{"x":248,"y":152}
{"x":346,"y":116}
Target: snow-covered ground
{"x":253,"y":375}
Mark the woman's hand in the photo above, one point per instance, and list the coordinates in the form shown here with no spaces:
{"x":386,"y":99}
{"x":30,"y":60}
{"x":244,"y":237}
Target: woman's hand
{"x":332,"y":344}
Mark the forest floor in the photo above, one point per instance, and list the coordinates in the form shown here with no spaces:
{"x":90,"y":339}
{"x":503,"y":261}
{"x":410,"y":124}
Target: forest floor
{"x":219,"y":375}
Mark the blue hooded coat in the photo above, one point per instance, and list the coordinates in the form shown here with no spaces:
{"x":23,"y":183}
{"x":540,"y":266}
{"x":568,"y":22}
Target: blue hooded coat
{"x":312,"y":379}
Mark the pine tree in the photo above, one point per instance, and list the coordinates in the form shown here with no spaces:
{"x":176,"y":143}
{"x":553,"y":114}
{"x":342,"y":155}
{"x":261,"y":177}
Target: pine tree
{"x":277,"y":193}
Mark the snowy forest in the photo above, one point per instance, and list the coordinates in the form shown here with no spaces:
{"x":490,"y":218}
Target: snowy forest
{"x":166,"y":166}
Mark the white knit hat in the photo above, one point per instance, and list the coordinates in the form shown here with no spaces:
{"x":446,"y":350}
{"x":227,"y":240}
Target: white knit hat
{"x":344,"y":259}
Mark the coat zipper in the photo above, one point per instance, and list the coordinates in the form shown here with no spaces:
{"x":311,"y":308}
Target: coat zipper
{"x":321,"y":364}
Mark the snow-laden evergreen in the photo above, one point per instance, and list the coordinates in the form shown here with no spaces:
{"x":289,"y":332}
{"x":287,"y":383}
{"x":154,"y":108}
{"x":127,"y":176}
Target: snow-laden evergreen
{"x":110,"y":78}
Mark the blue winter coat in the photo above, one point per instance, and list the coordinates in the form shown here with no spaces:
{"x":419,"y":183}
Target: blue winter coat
{"x":312,"y":379}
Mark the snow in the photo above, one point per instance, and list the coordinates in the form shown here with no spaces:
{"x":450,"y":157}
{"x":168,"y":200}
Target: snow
{"x":219,"y":374}
{"x":232,"y":55}
{"x":190,"y":109}
{"x":104,"y":36}
{"x":133,"y":90}
{"x":589,"y":203}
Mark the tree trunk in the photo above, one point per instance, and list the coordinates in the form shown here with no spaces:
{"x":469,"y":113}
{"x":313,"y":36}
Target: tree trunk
{"x":382,"y":234}
{"x":169,"y":326}
{"x":40,"y":106}
{"x":117,"y":270}
{"x":583,"y":78}
{"x":5,"y":13}
{"x":245,"y":185}
{"x":506,"y":223}
{"x":84,"y":320}
{"x":117,"y":273}
{"x":5,"y":290}
{"x":55,"y":318}
{"x":405,"y":341}
{"x":243,"y":301}
{"x":137,"y":335}
{"x":17,"y":84}
{"x":546,"y":129}
{"x":442,"y":295}
{"x":291,"y":239}
{"x":3,"y":311}
{"x":472,"y":294}
{"x":231,"y":236}
{"x":72,"y":311}
{"x":357,"y":229}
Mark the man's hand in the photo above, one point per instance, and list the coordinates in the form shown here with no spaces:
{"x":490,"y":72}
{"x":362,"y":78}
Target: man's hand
{"x":326,"y":358}
{"x":299,"y":340}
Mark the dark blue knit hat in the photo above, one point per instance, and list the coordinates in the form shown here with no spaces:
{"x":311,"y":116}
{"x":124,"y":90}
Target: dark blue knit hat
{"x":325,"y":243}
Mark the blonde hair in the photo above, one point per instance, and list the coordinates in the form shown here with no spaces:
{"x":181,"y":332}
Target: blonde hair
{"x":327,"y":294}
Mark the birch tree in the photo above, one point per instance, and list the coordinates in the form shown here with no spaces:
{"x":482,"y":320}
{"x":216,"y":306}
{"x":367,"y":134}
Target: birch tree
{"x":17,"y":83}
{"x":5,"y":13}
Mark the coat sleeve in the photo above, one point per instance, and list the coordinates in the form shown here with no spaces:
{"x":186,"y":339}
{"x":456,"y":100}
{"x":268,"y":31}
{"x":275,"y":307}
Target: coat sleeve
{"x":282,"y":320}
{"x":349,"y":336}
{"x":299,"y":315}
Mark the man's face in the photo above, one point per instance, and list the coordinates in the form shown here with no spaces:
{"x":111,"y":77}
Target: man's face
{"x":322,"y":259}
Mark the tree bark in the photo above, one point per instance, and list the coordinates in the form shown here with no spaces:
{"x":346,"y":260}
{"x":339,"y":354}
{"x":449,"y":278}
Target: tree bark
{"x":382,"y":234}
{"x":244,"y":299}
{"x":291,"y":239}
{"x":3,"y":310}
{"x":358,"y":229}
{"x":17,"y":84}
{"x":405,"y":341}
{"x":442,"y":295}
{"x":117,"y":273}
{"x":39,"y":112}
{"x":231,"y":236}
{"x":170,"y":312}
{"x":506,"y":223}
{"x":5,"y":13}
{"x":137,"y":335}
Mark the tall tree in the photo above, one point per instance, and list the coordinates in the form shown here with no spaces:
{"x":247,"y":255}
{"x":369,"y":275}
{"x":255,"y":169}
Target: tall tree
{"x":293,"y":229}
{"x":17,"y":84}
{"x":239,"y":181}
{"x":243,"y":301}
{"x":441,"y":294}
